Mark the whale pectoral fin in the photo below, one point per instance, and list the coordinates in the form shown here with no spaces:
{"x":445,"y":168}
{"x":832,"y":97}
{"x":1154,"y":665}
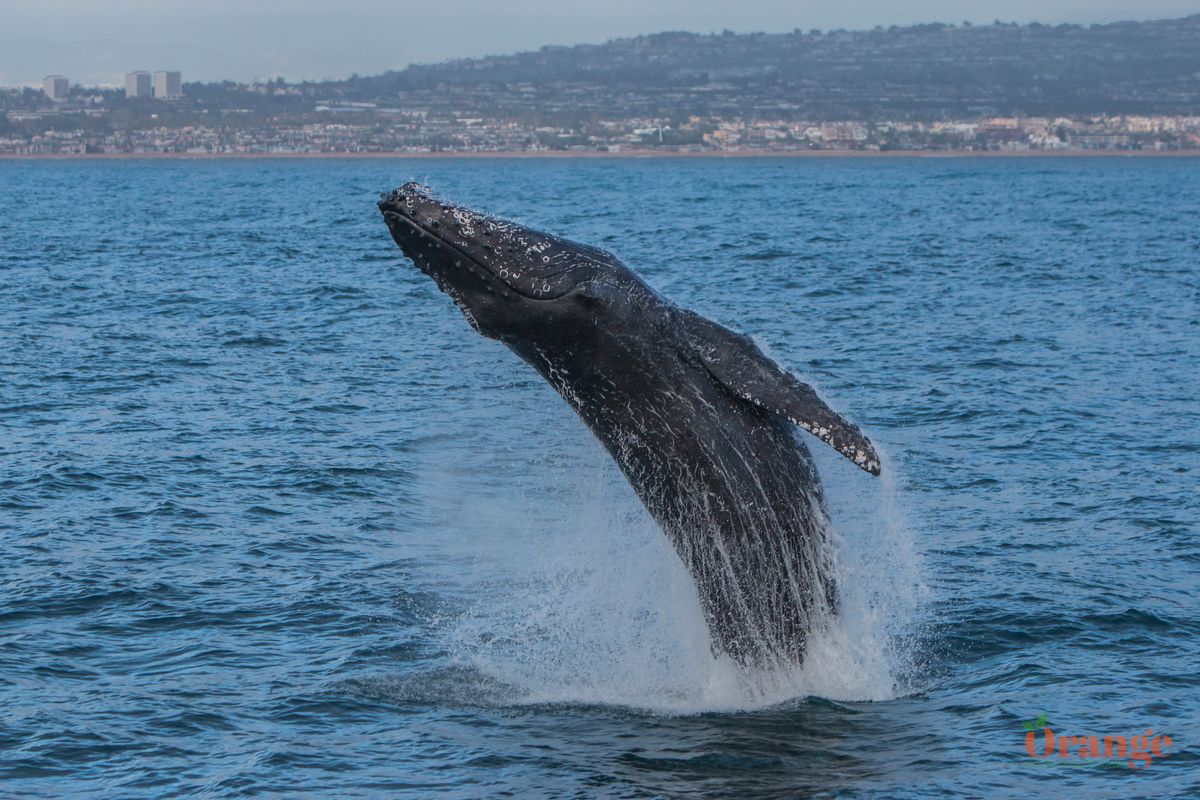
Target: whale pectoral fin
{"x":736,"y":362}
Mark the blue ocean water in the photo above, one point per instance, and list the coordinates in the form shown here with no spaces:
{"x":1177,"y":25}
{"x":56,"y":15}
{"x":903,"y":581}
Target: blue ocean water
{"x":275,"y":521}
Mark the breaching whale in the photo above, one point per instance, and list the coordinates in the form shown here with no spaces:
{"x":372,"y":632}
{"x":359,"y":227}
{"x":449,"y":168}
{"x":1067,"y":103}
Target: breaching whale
{"x":698,"y":419}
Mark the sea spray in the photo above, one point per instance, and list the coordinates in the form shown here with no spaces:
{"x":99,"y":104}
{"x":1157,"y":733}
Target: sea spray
{"x":868,"y":650}
{"x":581,"y":598}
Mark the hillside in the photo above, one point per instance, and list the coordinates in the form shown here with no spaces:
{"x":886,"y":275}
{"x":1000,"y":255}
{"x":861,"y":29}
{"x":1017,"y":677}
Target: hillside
{"x":924,"y":71}
{"x":1123,"y":86}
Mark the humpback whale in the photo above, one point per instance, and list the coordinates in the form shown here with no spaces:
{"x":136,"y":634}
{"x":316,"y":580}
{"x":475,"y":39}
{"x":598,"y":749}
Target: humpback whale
{"x":699,"y":420}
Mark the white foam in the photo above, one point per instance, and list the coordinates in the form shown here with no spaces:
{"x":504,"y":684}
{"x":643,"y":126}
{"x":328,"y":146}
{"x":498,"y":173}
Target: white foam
{"x":577,"y":597}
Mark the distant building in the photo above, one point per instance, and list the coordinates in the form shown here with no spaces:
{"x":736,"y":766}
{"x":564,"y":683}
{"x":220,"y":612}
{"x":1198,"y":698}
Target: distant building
{"x":138,"y":84}
{"x":55,"y":87}
{"x":168,"y":85}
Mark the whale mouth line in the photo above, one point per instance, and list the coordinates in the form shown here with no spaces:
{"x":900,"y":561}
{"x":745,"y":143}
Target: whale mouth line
{"x":392,"y":215}
{"x":439,"y":276}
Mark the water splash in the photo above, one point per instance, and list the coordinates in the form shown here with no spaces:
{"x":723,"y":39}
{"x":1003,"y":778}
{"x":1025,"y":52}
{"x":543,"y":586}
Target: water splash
{"x":585,"y":602}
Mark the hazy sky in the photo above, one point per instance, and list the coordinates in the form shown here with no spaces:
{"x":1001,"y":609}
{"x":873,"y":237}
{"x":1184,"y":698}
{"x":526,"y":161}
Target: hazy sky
{"x":96,"y":41}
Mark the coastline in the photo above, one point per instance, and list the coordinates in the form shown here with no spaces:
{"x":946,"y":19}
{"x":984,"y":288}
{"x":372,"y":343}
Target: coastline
{"x":596,"y":154}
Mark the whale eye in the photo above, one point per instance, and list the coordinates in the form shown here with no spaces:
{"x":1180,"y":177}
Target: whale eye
{"x":585,"y":299}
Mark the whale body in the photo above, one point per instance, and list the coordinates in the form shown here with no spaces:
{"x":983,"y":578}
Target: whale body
{"x":699,"y":420}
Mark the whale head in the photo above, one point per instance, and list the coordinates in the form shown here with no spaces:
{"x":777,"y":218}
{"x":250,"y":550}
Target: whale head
{"x":569,"y":308}
{"x":511,"y":282}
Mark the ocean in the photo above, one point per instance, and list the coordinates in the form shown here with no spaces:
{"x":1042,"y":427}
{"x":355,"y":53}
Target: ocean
{"x":274,"y":521}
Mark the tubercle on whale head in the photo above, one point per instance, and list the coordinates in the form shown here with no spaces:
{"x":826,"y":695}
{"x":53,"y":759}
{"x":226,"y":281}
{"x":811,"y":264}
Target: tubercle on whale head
{"x":510,"y":281}
{"x":528,"y":262}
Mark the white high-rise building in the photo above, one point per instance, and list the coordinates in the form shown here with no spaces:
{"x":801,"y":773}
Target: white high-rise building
{"x":55,"y":87}
{"x":138,"y":84}
{"x":168,"y":84}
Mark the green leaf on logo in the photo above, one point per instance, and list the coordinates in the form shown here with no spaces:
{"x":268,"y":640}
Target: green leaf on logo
{"x":1035,"y":724}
